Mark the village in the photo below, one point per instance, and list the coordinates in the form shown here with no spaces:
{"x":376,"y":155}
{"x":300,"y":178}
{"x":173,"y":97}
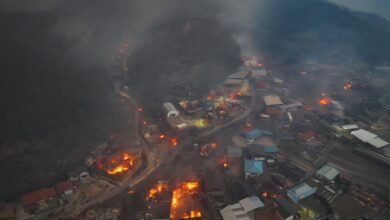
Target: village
{"x":251,"y":148}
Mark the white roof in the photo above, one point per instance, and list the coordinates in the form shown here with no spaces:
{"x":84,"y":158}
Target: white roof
{"x":350,"y":127}
{"x":251,"y":203}
{"x":272,"y":100}
{"x":239,"y":75}
{"x":370,"y":138}
{"x":234,"y":212}
{"x":328,"y":172}
{"x":378,"y":142}
{"x":233,"y":81}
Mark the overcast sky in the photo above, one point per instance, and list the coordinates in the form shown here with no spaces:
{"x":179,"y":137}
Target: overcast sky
{"x":380,"y":7}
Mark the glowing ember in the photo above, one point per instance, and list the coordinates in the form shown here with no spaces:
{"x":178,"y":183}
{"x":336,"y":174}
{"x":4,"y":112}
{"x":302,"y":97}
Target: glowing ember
{"x":184,"y":190}
{"x":160,"y":187}
{"x":192,"y":214}
{"x":324,"y":101}
{"x":162,"y":136}
{"x":209,"y":98}
{"x":213,"y":145}
{"x":347,"y":86}
{"x":120,"y":164}
{"x":173,"y":142}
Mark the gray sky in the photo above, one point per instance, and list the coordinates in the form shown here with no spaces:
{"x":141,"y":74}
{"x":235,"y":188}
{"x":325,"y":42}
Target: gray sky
{"x":26,"y":5}
{"x":380,"y":7}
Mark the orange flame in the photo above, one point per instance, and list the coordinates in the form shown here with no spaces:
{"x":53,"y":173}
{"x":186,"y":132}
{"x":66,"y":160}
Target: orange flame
{"x":173,"y":142}
{"x":160,"y":187}
{"x":162,"y":136}
{"x":192,"y":214}
{"x":120,"y":165}
{"x":324,"y":101}
{"x":183,"y":190}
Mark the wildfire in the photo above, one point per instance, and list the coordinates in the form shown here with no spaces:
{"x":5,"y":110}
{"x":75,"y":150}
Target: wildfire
{"x":121,"y":164}
{"x":192,"y":214}
{"x":347,"y":86}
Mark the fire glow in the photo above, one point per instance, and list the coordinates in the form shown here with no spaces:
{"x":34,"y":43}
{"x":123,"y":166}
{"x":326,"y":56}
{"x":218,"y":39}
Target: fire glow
{"x":324,"y":101}
{"x":173,"y":142}
{"x":117,"y":164}
{"x":160,"y":187}
{"x":185,"y":189}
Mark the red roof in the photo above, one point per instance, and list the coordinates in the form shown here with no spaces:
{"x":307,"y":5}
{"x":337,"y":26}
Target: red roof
{"x":273,"y":111}
{"x":38,"y":196}
{"x":305,"y":136}
{"x":63,"y":186}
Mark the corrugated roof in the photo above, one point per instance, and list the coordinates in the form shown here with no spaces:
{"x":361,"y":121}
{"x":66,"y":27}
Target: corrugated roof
{"x":328,"y":172}
{"x":63,"y":186}
{"x":251,"y":203}
{"x":300,"y":191}
{"x":38,"y":196}
{"x":370,"y":138}
{"x":253,"y":166}
{"x":234,"y":212}
{"x":270,"y":100}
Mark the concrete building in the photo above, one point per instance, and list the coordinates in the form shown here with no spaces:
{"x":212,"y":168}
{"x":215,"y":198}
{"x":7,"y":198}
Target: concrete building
{"x":170,"y":110}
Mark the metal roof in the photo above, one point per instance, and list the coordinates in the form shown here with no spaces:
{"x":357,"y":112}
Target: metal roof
{"x":234,"y":212}
{"x":253,"y":166}
{"x":328,"y":172}
{"x":255,"y":133}
{"x":251,"y":203}
{"x":234,"y":152}
{"x":300,"y":191}
{"x":270,"y":100}
{"x":370,"y":138}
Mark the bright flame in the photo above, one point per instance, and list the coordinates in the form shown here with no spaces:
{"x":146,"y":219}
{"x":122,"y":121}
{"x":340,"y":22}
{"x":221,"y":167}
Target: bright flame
{"x":162,"y":136}
{"x":173,"y":142}
{"x":192,"y":214}
{"x":159,"y":188}
{"x":121,"y":164}
{"x":324,"y":101}
{"x":183,"y":190}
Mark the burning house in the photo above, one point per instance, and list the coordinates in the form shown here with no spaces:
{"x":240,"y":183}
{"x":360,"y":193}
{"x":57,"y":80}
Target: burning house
{"x":183,"y":203}
{"x":119,"y":163}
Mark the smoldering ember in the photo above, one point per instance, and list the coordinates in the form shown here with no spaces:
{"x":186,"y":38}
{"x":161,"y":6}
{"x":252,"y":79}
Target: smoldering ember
{"x":196,"y":109}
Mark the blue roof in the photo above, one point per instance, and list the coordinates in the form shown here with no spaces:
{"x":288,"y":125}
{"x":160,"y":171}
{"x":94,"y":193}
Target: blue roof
{"x":271,"y":149}
{"x":253,"y":166}
{"x":255,"y":133}
{"x":300,"y":191}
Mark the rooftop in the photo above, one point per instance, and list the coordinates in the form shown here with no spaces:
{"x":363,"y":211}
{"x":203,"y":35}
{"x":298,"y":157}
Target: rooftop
{"x":253,"y":166}
{"x":370,"y":138}
{"x":328,"y":172}
{"x":300,"y":191}
{"x":271,"y":100}
{"x":234,"y":212}
{"x":255,"y":133}
{"x":38,"y":196}
{"x":251,"y":203}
